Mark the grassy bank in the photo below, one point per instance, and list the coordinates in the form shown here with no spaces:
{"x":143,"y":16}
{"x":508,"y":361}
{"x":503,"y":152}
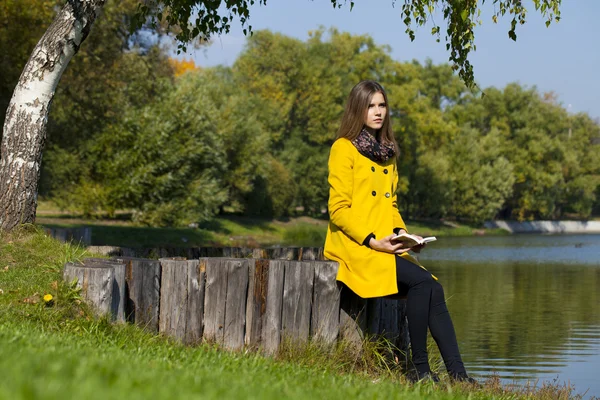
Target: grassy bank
{"x":228,"y":230}
{"x":56,"y":349}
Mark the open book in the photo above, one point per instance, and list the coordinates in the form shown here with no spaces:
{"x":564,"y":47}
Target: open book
{"x":411,"y":241}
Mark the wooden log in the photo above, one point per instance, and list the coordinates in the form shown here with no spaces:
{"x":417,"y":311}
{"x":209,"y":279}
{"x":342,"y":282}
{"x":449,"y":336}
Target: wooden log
{"x":215,"y":299}
{"x":195,"y":301}
{"x":96,"y":284}
{"x":260,"y":253}
{"x":143,"y":278}
{"x":258,"y":279}
{"x":210,"y":252}
{"x":311,"y":253}
{"x":181,"y":299}
{"x":105,"y":250}
{"x":403,"y":342}
{"x":79,"y":235}
{"x":325,"y":316}
{"x":353,"y":316}
{"x":297,"y":299}
{"x":116,"y":251}
{"x":119,"y":285}
{"x":192,"y":253}
{"x":237,"y":252}
{"x":283,"y":253}
{"x":382,"y":323}
{"x":235,"y":305}
{"x":271,"y":334}
{"x":173,"y":298}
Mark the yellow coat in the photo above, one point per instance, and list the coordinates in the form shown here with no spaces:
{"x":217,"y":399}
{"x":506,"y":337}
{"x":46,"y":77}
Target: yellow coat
{"x":362,"y":200}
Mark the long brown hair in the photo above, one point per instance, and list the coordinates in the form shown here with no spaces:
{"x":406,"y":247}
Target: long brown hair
{"x":357,"y":106}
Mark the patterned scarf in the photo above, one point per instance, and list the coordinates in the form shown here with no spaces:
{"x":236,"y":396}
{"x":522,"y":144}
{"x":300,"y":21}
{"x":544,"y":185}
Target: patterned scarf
{"x":368,"y":146}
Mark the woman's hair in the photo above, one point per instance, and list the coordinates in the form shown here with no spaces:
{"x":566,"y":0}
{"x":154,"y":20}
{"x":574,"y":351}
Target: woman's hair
{"x":356,"y":110}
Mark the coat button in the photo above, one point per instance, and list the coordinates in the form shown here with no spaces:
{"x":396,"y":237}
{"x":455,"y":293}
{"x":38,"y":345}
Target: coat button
{"x":373,"y":193}
{"x":373,"y":169}
{"x":387,"y":195}
{"x":385,"y":171}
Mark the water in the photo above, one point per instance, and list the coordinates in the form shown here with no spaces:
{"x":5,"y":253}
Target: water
{"x":525,"y":307}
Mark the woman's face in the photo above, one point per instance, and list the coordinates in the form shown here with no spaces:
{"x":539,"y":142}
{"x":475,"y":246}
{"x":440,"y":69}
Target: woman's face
{"x":375,"y":113}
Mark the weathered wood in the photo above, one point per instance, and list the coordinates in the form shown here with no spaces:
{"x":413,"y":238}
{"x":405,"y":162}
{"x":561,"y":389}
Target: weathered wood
{"x":235,"y":305}
{"x":284,"y":253}
{"x":375,"y":318}
{"x":214,"y":299}
{"x":173,"y":298}
{"x":195,"y":301}
{"x":297,"y":299}
{"x":254,"y":301}
{"x":116,"y":251}
{"x":403,"y":341}
{"x":260,"y":253}
{"x":258,"y":278}
{"x":325,"y":316}
{"x":96,"y":284}
{"x":237,"y":252}
{"x":81,"y":235}
{"x":210,"y":252}
{"x":388,"y":325}
{"x":271,"y":333}
{"x":143,"y":278}
{"x":353,"y":316}
{"x":311,"y":253}
{"x":119,"y":289}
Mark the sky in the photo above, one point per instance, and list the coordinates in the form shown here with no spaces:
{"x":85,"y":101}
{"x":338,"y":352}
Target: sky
{"x":564,"y":58}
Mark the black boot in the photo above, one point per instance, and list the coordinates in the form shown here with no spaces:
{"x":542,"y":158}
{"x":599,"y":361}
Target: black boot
{"x":415,"y":376}
{"x":463,"y":377}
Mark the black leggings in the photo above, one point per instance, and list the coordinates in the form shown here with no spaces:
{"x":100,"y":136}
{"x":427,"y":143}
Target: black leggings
{"x":426,"y":307}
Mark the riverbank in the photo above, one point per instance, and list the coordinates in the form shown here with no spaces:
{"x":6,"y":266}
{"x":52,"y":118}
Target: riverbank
{"x":231,"y":231}
{"x":55,"y":348}
{"x":227,"y":230}
{"x":545,"y":226}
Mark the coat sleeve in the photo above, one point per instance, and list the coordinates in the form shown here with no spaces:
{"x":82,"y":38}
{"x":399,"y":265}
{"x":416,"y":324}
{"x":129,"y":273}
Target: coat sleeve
{"x":398,"y":221}
{"x":341,"y":186}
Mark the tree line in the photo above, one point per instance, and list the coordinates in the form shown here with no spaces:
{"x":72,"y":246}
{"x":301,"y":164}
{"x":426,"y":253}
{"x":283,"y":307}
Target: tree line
{"x":131,"y":128}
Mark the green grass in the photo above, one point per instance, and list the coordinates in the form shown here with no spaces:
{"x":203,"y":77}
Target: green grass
{"x":233,"y":231}
{"x":59,"y":350}
{"x":227,"y":230}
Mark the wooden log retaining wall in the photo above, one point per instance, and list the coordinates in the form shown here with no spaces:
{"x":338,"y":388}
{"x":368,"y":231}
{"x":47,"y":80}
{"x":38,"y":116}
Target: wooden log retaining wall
{"x":286,"y":253}
{"x":238,"y":302}
{"x":81,"y":235}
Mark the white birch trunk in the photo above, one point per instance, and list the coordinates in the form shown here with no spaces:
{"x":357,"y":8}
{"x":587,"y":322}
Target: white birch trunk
{"x":27,"y":114}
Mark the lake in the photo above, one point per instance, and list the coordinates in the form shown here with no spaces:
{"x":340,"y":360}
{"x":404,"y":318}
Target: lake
{"x":525,"y":307}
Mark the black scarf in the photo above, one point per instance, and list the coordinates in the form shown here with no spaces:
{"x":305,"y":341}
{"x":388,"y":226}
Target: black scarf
{"x":368,"y":146}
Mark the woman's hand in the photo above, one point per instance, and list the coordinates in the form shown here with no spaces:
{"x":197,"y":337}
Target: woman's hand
{"x":387,"y":245}
{"x":419,"y":247}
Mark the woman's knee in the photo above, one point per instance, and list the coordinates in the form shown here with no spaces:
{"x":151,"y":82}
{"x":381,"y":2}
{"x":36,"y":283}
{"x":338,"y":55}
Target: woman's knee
{"x":425,"y":281}
{"x":412,"y":274}
{"x":437,"y":292}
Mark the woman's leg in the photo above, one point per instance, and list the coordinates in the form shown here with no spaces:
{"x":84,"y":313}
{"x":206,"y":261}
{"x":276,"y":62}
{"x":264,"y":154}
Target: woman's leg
{"x":442,"y":330}
{"x":417,"y":283}
{"x":426,"y":307}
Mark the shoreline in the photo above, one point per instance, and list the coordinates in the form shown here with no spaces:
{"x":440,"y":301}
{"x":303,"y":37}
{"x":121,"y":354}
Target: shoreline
{"x":545,"y":226}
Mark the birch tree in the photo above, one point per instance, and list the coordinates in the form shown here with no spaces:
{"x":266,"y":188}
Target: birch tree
{"x":24,"y":130}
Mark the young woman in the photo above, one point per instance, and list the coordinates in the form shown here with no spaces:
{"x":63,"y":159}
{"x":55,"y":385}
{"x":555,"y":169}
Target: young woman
{"x":364,"y":218}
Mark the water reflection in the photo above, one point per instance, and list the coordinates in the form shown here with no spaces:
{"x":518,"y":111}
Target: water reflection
{"x":525,"y":307}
